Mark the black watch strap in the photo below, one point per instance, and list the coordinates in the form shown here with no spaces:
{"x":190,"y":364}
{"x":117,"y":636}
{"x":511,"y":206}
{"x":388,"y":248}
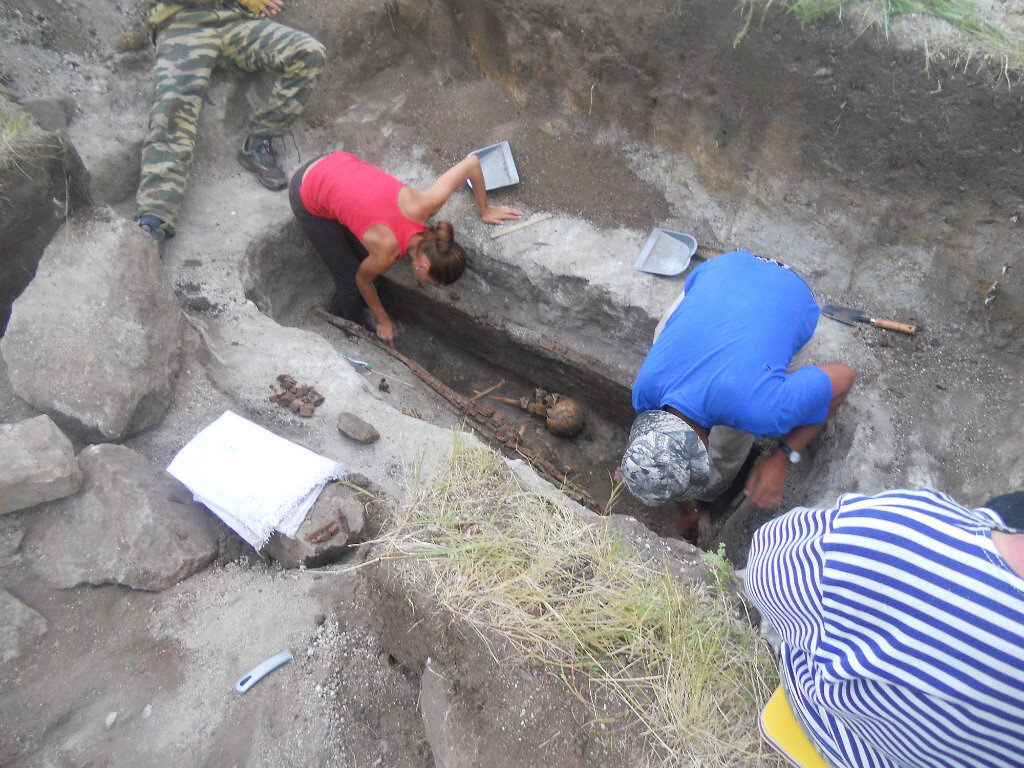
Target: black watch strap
{"x":793,"y":456}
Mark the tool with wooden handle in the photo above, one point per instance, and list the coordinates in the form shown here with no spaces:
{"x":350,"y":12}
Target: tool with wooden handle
{"x":853,"y":316}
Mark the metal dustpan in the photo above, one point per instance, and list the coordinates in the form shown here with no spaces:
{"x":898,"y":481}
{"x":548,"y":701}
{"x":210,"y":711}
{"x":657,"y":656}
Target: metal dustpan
{"x":498,"y":166}
{"x":666,"y":252}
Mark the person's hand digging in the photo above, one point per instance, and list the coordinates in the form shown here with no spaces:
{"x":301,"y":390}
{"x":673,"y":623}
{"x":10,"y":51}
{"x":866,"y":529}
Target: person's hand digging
{"x":765,"y":483}
{"x":693,"y":521}
{"x":386,"y":332}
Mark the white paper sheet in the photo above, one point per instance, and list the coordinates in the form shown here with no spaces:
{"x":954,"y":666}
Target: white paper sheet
{"x":252,"y":479}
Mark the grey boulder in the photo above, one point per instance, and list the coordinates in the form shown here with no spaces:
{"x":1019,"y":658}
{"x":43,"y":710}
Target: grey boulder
{"x":335,"y":522}
{"x":94,"y":341}
{"x":131,"y":524}
{"x":37,"y":464}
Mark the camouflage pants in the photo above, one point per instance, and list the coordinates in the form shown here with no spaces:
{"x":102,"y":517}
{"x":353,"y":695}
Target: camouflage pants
{"x":188,"y":50}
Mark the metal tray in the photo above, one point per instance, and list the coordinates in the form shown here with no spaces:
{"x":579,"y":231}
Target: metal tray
{"x":666,"y":252}
{"x":498,"y":166}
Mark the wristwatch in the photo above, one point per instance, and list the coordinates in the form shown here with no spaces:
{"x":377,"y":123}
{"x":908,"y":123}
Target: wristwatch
{"x":793,"y":456}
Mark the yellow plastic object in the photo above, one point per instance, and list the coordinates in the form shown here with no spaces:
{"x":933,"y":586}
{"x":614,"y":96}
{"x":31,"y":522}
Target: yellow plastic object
{"x":780,"y":728}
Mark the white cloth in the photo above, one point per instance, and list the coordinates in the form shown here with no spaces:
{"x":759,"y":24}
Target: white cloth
{"x":252,"y":479}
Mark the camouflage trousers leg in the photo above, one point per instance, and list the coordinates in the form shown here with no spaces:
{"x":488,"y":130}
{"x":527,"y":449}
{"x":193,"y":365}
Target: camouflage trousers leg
{"x":256,"y":45}
{"x":185,"y":57}
{"x":187,"y":53}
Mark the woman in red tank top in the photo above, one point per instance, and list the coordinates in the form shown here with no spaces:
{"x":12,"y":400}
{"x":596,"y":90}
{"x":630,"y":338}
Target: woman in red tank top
{"x":362,"y":220}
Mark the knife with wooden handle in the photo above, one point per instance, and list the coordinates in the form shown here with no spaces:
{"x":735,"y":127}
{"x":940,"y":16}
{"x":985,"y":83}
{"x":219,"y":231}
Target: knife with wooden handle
{"x":851,"y":316}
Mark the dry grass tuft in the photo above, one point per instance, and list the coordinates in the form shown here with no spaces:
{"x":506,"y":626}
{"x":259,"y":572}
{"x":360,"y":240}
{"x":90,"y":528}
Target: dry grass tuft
{"x":18,"y":133}
{"x":572,"y":596}
{"x":981,"y":38}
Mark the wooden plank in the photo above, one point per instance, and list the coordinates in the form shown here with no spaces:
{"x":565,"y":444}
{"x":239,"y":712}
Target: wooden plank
{"x":519,"y":225}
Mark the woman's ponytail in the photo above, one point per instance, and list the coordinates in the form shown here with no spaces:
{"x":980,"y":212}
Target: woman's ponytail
{"x":446,"y":257}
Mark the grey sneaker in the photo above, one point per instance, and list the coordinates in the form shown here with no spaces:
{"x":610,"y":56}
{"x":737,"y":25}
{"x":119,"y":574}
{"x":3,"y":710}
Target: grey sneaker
{"x":153,"y":227}
{"x":257,"y":155}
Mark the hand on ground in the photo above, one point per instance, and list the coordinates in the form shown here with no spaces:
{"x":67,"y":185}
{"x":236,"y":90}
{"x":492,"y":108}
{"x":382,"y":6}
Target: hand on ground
{"x":385,"y":330}
{"x":495,"y":214}
{"x":764,"y":486}
{"x":273,"y":6}
{"x":693,"y":521}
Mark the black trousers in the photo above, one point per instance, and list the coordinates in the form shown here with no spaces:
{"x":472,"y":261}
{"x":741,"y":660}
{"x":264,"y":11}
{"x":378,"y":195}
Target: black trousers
{"x":337,"y":246}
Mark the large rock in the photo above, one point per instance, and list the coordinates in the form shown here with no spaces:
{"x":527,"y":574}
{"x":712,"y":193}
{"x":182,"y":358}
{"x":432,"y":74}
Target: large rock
{"x":21,"y":625}
{"x":94,"y":341}
{"x":131,"y":524}
{"x":42,"y":180}
{"x":334,"y":523}
{"x":37,"y":464}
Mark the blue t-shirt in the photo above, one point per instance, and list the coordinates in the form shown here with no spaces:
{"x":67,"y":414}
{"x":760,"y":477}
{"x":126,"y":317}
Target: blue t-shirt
{"x":722,"y":356}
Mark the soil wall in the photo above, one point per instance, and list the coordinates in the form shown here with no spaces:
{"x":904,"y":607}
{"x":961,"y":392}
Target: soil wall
{"x":887,"y":147}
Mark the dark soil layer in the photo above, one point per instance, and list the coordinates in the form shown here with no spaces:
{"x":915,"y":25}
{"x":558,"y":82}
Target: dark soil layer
{"x":820,"y":120}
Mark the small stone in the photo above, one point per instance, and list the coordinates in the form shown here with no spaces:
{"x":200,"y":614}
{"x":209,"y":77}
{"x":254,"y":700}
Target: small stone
{"x":358,"y":479}
{"x":110,"y":720}
{"x":823,"y":72}
{"x":384,"y":386}
{"x":354,"y":427}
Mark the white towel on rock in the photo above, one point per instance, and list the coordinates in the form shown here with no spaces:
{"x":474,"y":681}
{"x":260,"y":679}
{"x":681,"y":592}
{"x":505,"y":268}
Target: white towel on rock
{"x":252,"y":479}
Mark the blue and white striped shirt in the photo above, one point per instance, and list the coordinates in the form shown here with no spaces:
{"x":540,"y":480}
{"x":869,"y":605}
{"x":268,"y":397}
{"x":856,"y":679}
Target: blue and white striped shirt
{"x":902,"y":629}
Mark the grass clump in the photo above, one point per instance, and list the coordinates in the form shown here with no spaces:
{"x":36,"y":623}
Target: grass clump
{"x":18,"y":132}
{"x":574,"y":597}
{"x":984,"y":37}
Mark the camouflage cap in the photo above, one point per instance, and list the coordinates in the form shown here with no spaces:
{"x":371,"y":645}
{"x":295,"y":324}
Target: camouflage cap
{"x":665,"y":459}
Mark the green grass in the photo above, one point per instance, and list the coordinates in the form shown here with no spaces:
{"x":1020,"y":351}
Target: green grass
{"x":571,"y":596}
{"x":984,"y":38}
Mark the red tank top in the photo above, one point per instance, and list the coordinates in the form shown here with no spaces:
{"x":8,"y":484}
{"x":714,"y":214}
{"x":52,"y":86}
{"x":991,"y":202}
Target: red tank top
{"x":343,"y":187}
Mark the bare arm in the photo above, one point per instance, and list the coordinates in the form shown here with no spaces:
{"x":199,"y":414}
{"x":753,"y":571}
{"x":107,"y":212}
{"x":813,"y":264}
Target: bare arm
{"x":766,"y":480}
{"x":466,"y":169}
{"x":383,"y":253}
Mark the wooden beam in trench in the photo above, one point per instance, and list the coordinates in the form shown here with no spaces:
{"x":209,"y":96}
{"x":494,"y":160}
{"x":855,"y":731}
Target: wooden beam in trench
{"x":485,"y":417}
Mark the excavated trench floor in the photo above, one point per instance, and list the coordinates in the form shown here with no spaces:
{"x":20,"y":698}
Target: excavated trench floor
{"x":481,"y":362}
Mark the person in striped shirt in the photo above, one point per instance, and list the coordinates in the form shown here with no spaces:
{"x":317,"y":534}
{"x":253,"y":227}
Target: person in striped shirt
{"x":900,"y":621}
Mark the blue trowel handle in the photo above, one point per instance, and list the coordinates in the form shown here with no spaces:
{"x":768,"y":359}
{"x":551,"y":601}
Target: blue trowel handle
{"x":263,"y":669}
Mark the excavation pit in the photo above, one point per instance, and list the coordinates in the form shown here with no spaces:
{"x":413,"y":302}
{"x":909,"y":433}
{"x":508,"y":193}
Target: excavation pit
{"x":486,"y":361}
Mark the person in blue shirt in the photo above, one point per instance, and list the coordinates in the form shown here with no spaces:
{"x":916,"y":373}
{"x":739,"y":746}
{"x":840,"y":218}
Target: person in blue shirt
{"x":718,"y":376}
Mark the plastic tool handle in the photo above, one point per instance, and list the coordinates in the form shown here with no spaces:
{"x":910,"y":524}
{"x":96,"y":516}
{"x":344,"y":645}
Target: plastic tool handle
{"x":895,"y":325}
{"x":263,"y":669}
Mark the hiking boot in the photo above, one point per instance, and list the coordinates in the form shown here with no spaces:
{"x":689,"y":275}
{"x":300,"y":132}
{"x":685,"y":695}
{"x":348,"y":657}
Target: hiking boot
{"x":257,"y":155}
{"x":153,"y":227}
